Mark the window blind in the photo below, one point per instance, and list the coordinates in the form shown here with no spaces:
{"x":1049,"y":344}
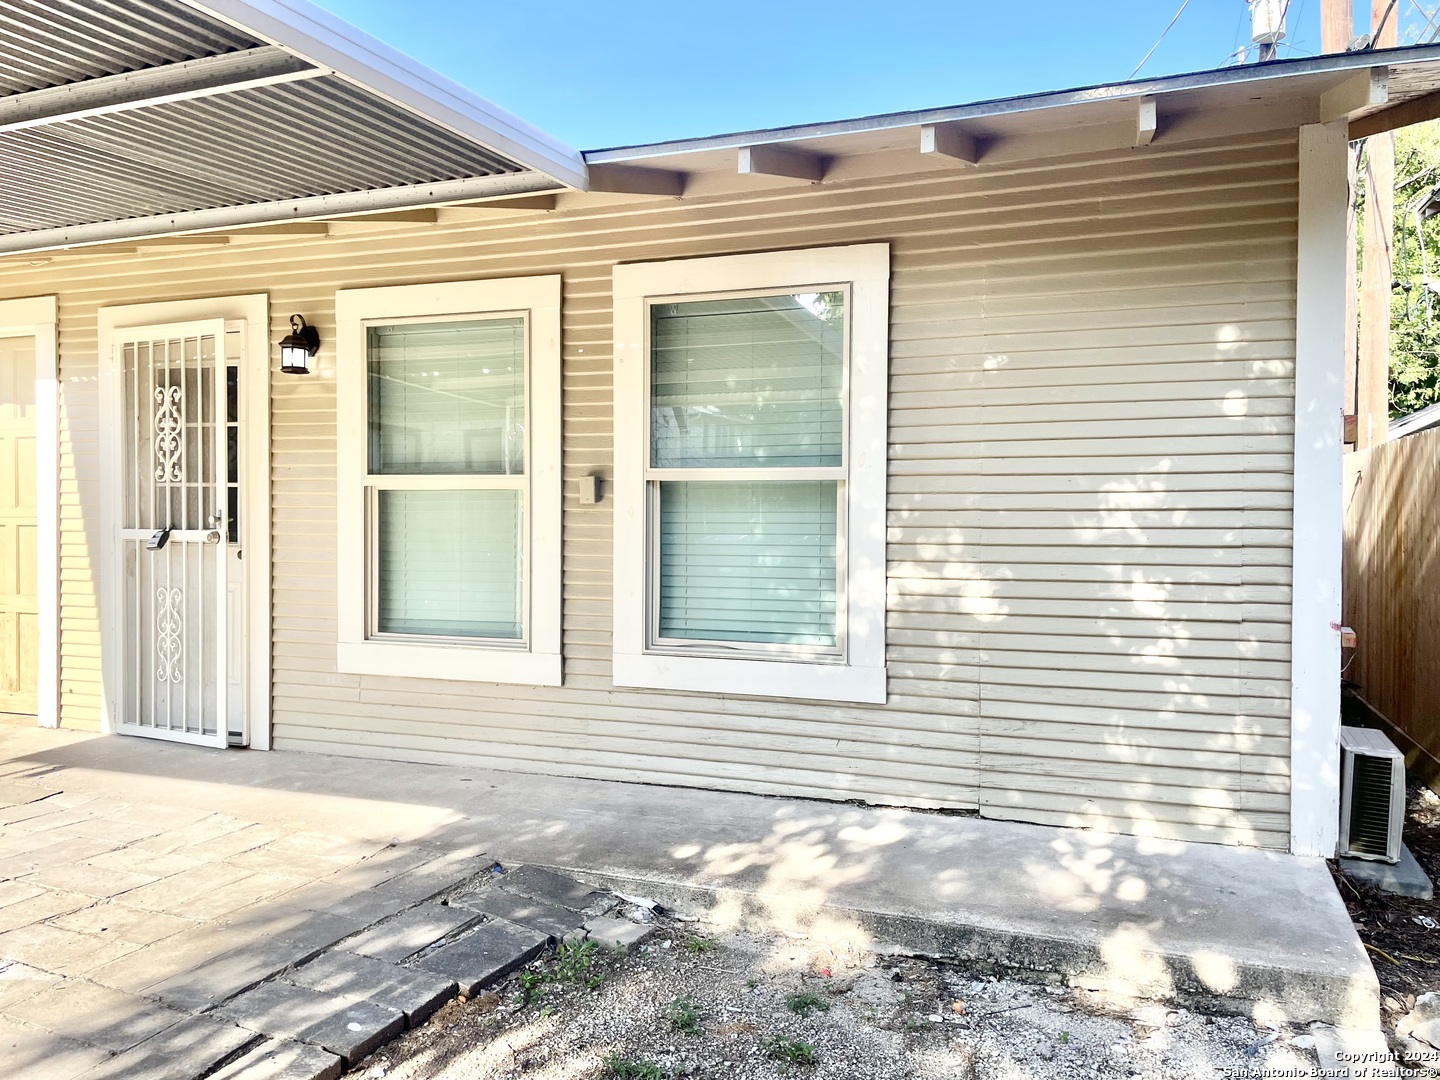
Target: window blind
{"x":748,"y":562}
{"x":748,"y":382}
{"x":447,"y":397}
{"x":449,"y":563}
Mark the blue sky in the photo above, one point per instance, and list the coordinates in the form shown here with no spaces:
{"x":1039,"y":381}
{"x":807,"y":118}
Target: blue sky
{"x":606,"y":74}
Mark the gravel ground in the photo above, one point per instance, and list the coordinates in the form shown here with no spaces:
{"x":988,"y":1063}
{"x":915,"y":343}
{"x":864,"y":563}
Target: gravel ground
{"x":768,"y":1007}
{"x":1402,"y":934}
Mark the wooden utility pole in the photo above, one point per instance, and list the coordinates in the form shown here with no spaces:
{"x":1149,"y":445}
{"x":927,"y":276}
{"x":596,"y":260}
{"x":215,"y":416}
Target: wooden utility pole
{"x":1372,"y":380}
{"x":1337,"y":25}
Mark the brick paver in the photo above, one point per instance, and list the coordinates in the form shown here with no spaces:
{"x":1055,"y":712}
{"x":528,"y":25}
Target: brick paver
{"x":282,"y":1010}
{"x":116,"y":919}
{"x":411,"y":931}
{"x":165,"y":942}
{"x":281,"y":1059}
{"x":95,"y":1014}
{"x":97,"y":881}
{"x":189,"y":1049}
{"x":485,"y":955}
{"x":352,"y":977}
{"x":59,"y":950}
{"x":41,"y":1055}
{"x":20,"y":981}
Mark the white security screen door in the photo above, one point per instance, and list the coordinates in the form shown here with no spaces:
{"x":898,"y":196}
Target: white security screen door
{"x":173,"y":532}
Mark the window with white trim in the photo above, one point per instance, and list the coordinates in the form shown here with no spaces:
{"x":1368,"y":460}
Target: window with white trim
{"x":449,"y":430}
{"x":750,"y":474}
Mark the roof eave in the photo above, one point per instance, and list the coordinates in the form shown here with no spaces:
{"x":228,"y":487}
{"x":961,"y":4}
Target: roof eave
{"x":1170,"y":84}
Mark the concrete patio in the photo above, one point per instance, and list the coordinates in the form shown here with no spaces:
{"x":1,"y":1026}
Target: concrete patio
{"x":145,"y":887}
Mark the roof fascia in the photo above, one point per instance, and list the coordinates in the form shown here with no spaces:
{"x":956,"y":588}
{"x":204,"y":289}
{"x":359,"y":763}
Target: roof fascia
{"x":1170,"y":84}
{"x":307,"y":31}
{"x":1422,"y":420}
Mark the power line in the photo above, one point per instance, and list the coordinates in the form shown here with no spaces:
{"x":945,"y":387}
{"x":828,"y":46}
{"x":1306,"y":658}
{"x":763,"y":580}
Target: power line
{"x":1427,"y":35}
{"x":1161,"y":38}
{"x":1380,"y":26}
{"x":1235,"y":45}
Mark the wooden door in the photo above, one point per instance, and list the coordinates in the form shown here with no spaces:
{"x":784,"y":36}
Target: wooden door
{"x":19,"y":596}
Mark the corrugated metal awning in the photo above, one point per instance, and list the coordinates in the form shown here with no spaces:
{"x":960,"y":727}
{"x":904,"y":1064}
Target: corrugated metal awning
{"x":128,"y":118}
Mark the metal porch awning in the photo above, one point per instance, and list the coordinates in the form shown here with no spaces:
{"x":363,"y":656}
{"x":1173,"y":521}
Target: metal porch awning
{"x":121,"y":119}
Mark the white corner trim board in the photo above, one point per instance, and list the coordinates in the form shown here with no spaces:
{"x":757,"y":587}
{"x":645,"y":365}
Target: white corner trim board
{"x":36,"y":317}
{"x":1319,"y":513}
{"x":860,"y":674}
{"x":537,"y":660}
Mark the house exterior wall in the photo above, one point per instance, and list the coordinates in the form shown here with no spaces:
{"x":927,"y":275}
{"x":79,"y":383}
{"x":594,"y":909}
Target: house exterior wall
{"x":1091,"y":421}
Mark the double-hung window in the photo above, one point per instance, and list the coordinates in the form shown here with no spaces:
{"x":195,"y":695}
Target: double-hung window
{"x":750,"y":474}
{"x":449,"y":522}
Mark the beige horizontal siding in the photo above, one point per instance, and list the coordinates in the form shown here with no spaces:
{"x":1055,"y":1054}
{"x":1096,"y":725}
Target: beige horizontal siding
{"x":79,"y":520}
{"x":1088,"y":513}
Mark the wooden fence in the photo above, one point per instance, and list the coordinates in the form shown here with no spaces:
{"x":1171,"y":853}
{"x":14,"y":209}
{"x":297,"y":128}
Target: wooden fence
{"x":1392,"y":582}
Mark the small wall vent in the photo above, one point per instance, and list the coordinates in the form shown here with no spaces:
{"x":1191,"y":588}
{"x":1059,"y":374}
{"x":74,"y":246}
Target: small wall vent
{"x":1372,"y":795}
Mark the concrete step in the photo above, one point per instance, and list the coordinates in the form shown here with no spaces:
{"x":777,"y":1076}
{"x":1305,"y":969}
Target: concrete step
{"x":1251,"y":933}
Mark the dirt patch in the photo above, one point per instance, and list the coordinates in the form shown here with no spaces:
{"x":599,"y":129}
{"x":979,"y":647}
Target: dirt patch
{"x":690,"y":1003}
{"x":1401,"y":934}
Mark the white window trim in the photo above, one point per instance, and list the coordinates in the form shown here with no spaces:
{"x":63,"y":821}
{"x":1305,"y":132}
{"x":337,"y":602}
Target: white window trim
{"x":37,"y":317}
{"x":865,"y":268}
{"x":538,"y":661}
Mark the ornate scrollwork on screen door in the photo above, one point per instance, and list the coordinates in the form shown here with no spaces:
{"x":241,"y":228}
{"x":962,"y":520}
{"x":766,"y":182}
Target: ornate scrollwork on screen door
{"x":169,"y":643}
{"x":169,"y":435}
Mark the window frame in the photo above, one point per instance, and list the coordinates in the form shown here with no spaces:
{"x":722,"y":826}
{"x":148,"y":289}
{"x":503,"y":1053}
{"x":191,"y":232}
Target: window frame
{"x":534,"y":659}
{"x":855,"y":669}
{"x":375,"y":483}
{"x":657,"y":475}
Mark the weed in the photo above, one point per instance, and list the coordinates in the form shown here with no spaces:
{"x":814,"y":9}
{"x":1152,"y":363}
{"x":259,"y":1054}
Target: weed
{"x":683,"y":1015}
{"x":632,"y":1069}
{"x":1064,"y":1036}
{"x":575,"y":963}
{"x":751,"y":983}
{"x":806,"y":1003}
{"x":693,"y":943}
{"x":530,"y":983}
{"x":913,"y":1022}
{"x":788,"y":1051}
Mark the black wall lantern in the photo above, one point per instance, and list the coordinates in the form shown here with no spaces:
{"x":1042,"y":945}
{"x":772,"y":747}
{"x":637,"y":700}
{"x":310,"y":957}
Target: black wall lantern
{"x":298,"y":347}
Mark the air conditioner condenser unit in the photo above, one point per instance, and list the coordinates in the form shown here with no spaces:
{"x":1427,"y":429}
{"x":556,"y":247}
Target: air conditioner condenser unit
{"x":1372,"y":795}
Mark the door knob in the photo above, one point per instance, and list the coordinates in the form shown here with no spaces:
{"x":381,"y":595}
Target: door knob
{"x":213,"y":536}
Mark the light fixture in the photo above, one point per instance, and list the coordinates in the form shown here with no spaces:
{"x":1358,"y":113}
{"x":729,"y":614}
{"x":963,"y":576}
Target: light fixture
{"x":298,"y":347}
